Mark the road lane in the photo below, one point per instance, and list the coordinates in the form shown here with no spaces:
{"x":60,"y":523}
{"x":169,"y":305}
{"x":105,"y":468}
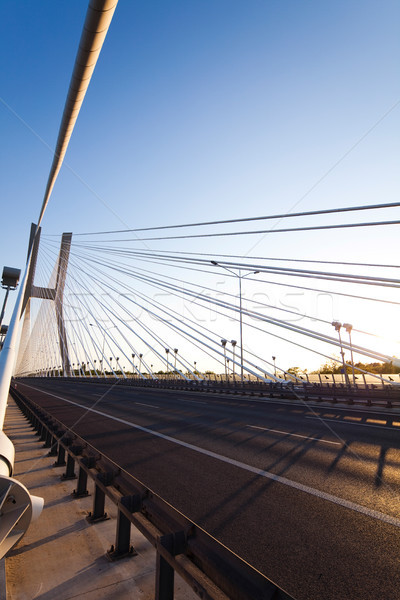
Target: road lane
{"x":361,"y":471}
{"x":306,"y":541}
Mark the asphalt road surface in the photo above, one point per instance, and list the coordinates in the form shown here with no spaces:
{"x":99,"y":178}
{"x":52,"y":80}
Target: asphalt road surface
{"x":308,"y":495}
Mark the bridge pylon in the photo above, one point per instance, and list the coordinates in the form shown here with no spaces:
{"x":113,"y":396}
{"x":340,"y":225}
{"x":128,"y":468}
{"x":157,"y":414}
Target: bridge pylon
{"x":56,"y":293}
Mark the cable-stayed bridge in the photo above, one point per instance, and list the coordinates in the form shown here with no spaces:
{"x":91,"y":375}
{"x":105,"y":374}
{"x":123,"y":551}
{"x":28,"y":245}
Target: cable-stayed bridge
{"x":154,"y":322}
{"x":107,"y":309}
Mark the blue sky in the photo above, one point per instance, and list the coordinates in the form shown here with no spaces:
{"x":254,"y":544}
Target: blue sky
{"x":205,"y":109}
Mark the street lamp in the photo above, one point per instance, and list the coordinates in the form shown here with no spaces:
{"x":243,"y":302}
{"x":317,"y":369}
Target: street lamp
{"x":176,"y":353}
{"x":233,"y":342}
{"x":167,"y":353}
{"x":337,"y":327}
{"x":140,"y":363}
{"x":240,"y":277}
{"x":9,"y":282}
{"x":348,"y":327}
{"x":224,"y":342}
{"x":133,"y":365}
{"x":274,"y":359}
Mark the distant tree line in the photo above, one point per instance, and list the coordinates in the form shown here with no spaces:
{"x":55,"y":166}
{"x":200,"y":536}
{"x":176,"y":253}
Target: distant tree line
{"x":334,"y":367}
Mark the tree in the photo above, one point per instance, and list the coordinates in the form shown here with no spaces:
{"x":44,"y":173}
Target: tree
{"x":333,"y":366}
{"x":294,"y":370}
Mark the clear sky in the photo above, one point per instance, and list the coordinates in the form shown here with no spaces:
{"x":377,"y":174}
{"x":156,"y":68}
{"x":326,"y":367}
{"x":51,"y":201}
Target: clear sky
{"x":205,"y":109}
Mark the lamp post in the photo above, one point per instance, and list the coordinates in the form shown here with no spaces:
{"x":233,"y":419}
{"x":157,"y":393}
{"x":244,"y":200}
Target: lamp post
{"x":274,"y":359}
{"x":3,"y":333}
{"x":240,"y":277}
{"x":133,"y":365}
{"x":233,"y":342}
{"x":348,"y":327}
{"x":140,"y":363}
{"x":167,"y":353}
{"x":9,"y":282}
{"x":176,"y":353}
{"x":337,"y":327}
{"x":223,"y":343}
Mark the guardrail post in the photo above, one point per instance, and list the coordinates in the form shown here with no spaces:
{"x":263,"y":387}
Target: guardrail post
{"x":53,"y":446}
{"x":164,"y":571}
{"x":98,"y":514}
{"x":70,"y":470}
{"x":122,"y":546}
{"x":42,"y":433}
{"x":81,"y":488}
{"x":48,"y":439}
{"x":60,"y":462}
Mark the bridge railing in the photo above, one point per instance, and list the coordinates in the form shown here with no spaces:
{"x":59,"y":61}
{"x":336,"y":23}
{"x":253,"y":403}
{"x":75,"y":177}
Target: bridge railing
{"x":364,"y":394}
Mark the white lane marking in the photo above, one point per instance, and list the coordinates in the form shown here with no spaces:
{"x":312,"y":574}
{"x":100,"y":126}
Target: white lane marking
{"x":305,"y":437}
{"x":192,"y":401}
{"x":335,"y":422}
{"x":374,"y":514}
{"x":150,"y":405}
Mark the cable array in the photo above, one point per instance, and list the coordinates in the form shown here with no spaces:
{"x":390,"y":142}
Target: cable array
{"x":150,"y":313}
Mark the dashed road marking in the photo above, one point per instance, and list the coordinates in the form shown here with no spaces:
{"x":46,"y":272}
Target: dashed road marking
{"x":305,"y":437}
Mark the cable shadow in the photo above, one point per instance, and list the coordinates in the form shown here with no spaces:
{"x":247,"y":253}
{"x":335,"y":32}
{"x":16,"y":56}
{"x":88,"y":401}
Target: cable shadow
{"x":250,"y":498}
{"x":381,"y":464}
{"x":79,"y":526}
{"x":338,"y":456}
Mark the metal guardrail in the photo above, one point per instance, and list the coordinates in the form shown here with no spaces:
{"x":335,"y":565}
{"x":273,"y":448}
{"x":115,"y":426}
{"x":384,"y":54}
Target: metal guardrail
{"x":211,"y":569}
{"x":363,"y":394}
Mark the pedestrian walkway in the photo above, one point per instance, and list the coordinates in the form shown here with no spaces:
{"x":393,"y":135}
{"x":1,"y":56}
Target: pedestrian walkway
{"x":62,"y":556}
